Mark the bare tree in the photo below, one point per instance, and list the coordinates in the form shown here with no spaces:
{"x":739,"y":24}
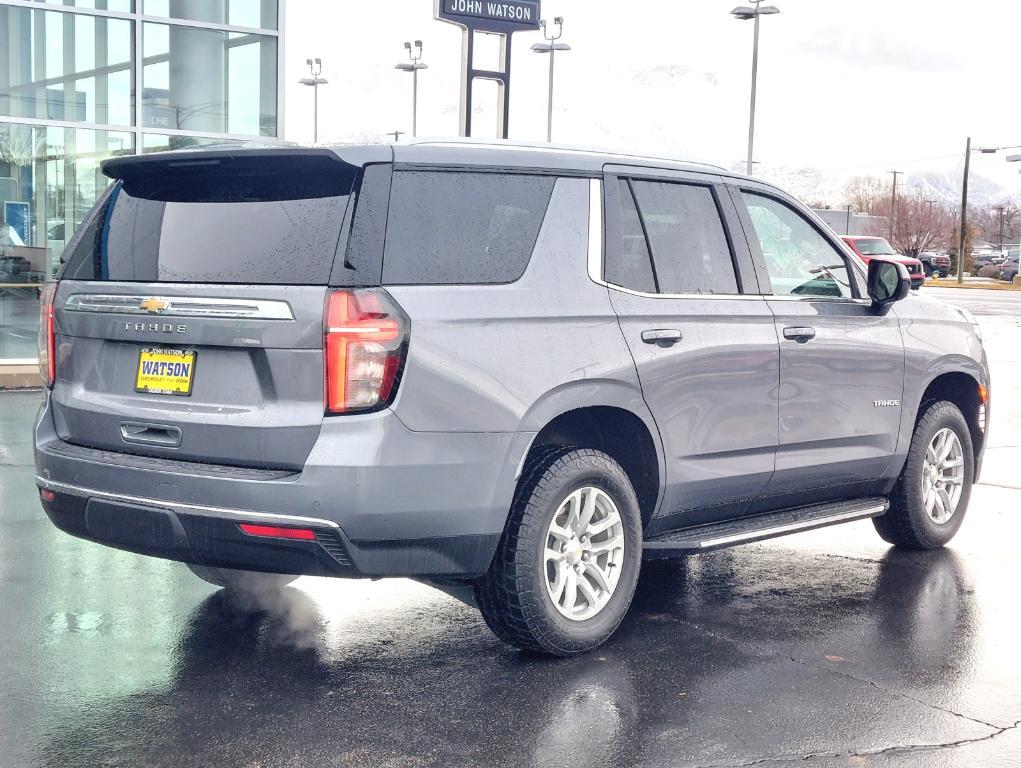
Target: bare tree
{"x":988,"y":225}
{"x":16,"y":145}
{"x":919,"y":224}
{"x":864,"y":193}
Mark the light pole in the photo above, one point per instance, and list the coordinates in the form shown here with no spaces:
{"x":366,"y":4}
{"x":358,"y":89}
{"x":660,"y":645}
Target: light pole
{"x":413,"y":67}
{"x":744,"y":13}
{"x":315,"y":67}
{"x":551,"y":46}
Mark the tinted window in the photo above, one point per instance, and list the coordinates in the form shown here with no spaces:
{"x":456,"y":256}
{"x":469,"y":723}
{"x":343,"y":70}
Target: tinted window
{"x":214,"y":230}
{"x":799,"y":260}
{"x":689,"y":245}
{"x":461,"y":228}
{"x":632,"y":266}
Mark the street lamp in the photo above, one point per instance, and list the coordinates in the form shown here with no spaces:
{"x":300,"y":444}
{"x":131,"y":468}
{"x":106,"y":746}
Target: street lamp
{"x":413,"y":67}
{"x":744,"y":13}
{"x":551,"y":46}
{"x":315,"y":67}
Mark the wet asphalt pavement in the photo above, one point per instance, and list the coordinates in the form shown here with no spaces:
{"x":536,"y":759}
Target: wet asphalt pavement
{"x":823,"y":649}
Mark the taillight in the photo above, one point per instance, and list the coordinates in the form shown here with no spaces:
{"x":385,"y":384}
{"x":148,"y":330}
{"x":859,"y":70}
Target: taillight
{"x":363,"y":348}
{"x":47,"y":351}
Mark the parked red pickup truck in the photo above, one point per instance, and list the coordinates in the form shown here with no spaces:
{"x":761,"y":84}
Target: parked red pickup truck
{"x":867,"y":247}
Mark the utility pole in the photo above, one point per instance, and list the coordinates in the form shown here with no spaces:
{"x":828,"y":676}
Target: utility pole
{"x":1000,"y":209}
{"x":964,"y":213}
{"x":893,"y":203}
{"x":397,"y":135}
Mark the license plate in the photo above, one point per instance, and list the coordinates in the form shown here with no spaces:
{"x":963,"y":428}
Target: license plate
{"x":163,"y":371}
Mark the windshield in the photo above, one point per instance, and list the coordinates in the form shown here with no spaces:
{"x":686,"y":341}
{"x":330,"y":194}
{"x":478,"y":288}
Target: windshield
{"x":876,"y":247}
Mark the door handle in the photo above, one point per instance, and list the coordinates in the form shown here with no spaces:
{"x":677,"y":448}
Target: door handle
{"x":664,"y":337}
{"x":799,"y":334}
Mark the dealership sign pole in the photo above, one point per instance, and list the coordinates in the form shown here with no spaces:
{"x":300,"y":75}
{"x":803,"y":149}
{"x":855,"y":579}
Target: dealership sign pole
{"x":496,"y":17}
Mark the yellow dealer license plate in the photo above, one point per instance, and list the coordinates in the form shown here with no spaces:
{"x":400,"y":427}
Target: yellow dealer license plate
{"x":163,"y":371}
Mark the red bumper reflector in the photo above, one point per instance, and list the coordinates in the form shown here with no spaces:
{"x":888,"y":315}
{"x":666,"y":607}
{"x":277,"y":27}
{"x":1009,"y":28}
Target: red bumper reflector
{"x":278,"y":532}
{"x":47,"y":495}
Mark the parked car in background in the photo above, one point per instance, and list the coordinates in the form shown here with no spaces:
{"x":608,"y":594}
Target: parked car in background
{"x":935,"y":263}
{"x":867,"y":247}
{"x":980,"y":260}
{"x":1008,"y":269}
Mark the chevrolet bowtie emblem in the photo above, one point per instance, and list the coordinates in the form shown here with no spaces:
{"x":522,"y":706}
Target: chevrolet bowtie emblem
{"x":153,"y":305}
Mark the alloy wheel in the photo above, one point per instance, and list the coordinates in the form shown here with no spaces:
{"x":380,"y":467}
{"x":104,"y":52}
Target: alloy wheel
{"x":584,"y":553}
{"x":943,"y":475}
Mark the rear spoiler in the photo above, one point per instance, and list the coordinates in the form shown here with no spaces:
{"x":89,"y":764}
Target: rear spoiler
{"x":240,"y":159}
{"x":236,"y":174}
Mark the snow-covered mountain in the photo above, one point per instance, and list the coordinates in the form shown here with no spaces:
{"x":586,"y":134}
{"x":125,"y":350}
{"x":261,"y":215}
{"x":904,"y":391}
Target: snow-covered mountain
{"x":943,"y":185}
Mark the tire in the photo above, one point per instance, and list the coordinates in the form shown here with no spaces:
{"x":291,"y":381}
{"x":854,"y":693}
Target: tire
{"x":514,"y":595}
{"x":241,"y":580}
{"x":908,"y":524}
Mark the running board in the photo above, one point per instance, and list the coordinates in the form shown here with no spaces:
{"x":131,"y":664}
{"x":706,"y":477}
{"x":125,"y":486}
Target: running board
{"x":758,"y":527}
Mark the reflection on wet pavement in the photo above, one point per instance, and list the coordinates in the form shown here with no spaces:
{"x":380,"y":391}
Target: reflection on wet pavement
{"x":827,"y":644}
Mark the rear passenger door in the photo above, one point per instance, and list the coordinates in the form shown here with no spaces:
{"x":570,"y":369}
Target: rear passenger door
{"x":841,"y":362}
{"x":701,"y":336}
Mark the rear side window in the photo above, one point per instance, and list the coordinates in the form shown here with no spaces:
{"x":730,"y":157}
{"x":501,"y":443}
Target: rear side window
{"x":633,"y":267}
{"x":686,"y":236}
{"x":454,"y":228}
{"x":216,"y":228}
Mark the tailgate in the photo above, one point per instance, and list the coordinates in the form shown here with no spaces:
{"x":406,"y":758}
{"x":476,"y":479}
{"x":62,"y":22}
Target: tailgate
{"x":189,"y":314}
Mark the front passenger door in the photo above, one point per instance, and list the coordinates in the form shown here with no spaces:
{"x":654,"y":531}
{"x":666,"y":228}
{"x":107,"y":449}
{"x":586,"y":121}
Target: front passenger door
{"x":841,"y":362}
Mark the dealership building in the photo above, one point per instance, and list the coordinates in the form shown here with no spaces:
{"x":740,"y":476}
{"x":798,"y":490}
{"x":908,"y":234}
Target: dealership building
{"x":84,"y":80}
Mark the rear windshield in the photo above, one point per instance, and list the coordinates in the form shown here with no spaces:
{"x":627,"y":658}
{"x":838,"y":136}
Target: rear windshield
{"x":216,"y":227}
{"x":874,"y":247}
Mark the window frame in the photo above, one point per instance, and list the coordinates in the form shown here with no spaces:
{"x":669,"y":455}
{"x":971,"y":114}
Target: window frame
{"x":854,"y":267}
{"x":740,"y":258}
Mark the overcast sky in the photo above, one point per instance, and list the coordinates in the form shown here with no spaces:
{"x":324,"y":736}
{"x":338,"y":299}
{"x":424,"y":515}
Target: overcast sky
{"x":860,"y":86}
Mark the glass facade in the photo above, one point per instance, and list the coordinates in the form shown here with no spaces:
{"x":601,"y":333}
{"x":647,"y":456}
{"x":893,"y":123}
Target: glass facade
{"x":84,"y":80}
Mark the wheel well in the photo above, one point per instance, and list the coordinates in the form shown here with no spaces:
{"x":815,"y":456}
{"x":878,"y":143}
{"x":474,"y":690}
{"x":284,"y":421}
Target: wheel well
{"x":617,"y":433}
{"x":961,"y":389}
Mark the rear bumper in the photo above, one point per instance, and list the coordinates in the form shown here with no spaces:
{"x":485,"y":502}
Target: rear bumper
{"x":381,"y":499}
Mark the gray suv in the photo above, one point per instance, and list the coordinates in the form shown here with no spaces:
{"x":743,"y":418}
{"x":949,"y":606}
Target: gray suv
{"x":510,"y":372}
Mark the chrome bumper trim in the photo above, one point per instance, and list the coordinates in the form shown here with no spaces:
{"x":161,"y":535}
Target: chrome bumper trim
{"x":180,"y":506}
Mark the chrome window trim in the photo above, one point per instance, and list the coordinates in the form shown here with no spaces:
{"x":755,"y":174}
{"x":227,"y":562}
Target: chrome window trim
{"x":596,"y":250}
{"x":181,"y":306}
{"x":179,"y":506}
{"x":827,"y":299}
{"x":595,"y":266}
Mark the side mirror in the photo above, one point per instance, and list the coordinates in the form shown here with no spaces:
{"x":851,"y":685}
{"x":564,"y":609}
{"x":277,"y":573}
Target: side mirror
{"x":889,"y":281}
